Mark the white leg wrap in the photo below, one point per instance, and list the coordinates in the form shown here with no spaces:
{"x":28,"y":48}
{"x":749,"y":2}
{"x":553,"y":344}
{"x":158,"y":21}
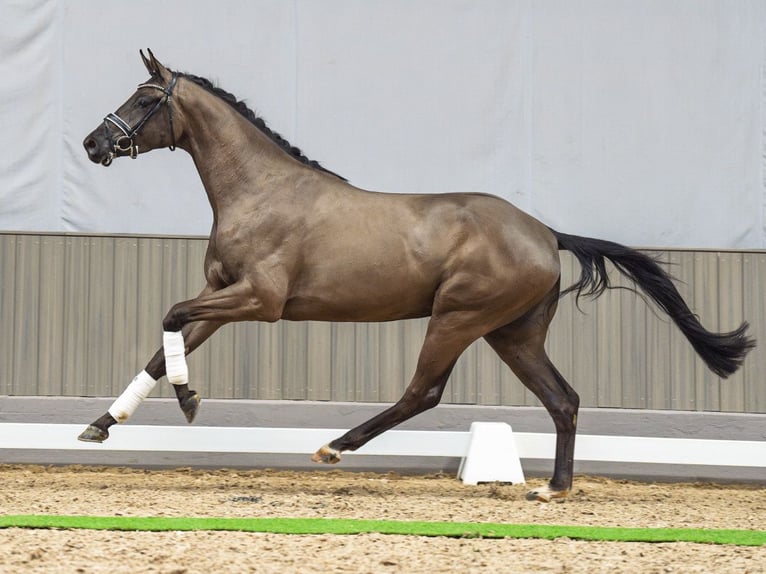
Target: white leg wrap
{"x":175,"y":358}
{"x":127,"y":403}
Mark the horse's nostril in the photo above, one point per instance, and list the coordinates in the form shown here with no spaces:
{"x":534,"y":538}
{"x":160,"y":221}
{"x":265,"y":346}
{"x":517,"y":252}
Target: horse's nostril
{"x":90,"y":143}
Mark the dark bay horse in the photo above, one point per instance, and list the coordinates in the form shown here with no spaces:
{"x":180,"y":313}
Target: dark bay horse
{"x":292,"y":240}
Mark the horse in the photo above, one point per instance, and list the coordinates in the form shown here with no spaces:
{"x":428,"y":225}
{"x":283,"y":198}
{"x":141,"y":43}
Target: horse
{"x":293,"y":240}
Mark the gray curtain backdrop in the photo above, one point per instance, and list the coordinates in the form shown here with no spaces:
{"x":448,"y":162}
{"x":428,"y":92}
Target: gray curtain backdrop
{"x":640,"y":122}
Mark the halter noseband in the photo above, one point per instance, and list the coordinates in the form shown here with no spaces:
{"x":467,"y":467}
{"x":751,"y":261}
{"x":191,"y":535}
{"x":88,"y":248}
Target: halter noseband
{"x":125,"y":143}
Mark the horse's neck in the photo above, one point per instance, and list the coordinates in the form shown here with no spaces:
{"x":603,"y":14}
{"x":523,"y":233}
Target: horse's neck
{"x":228,"y":152}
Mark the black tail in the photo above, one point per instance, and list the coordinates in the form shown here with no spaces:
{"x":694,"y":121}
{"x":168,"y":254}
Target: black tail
{"x":722,"y":352}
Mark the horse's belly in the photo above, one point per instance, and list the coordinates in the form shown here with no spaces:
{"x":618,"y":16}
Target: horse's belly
{"x":363,"y":302}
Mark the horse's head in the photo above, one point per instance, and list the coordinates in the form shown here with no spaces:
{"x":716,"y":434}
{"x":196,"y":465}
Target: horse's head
{"x":140,"y":124}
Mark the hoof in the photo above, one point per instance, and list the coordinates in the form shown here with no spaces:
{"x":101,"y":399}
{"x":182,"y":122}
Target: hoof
{"x":326,"y":455}
{"x":93,"y":434}
{"x":546,"y":494}
{"x":190,"y":406}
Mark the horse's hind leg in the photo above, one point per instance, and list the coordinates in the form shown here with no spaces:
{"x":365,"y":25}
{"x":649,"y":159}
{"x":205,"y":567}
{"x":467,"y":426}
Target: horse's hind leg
{"x":446,"y":339}
{"x":144,"y":382}
{"x":521,"y":346}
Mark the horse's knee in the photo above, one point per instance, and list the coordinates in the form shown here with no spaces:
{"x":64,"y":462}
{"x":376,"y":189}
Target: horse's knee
{"x":175,"y":319}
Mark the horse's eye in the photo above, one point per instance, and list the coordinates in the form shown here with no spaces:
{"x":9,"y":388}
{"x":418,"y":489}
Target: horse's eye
{"x":144,"y":102}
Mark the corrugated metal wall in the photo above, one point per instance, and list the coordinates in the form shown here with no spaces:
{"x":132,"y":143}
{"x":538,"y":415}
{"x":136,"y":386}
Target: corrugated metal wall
{"x":80,"y":315}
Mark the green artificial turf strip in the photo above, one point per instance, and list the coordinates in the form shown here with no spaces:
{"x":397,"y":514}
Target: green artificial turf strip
{"x":351,"y":526}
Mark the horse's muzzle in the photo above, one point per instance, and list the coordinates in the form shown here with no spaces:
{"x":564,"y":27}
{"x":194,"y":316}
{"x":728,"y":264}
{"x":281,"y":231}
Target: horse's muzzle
{"x":98,"y":146}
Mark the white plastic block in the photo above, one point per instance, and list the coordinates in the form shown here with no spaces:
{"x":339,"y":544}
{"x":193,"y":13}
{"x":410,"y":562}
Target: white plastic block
{"x":492,"y":455}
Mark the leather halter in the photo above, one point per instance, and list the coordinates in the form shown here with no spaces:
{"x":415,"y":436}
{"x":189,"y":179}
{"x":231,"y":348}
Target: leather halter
{"x":125,"y":142}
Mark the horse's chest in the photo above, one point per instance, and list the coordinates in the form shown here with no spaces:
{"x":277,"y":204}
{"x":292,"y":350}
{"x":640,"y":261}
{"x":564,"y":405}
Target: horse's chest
{"x":230,"y":261}
{"x":224,"y":263}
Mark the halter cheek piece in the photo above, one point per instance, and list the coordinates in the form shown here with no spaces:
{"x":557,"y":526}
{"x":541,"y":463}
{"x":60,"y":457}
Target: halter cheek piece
{"x":125,"y":143}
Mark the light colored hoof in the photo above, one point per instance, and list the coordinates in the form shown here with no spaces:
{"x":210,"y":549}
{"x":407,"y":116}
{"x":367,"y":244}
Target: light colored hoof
{"x":546,"y":494}
{"x":326,"y":455}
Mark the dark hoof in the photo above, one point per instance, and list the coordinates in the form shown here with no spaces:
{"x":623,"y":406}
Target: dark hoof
{"x":93,"y":434}
{"x":190,"y":406}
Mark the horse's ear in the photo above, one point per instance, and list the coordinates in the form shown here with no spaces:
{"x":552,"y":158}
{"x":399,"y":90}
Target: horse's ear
{"x":155,"y":67}
{"x":147,"y":63}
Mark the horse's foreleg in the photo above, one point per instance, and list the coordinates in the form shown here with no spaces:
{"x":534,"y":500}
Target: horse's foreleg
{"x":443,"y":345}
{"x":127,"y":403}
{"x":194,"y":335}
{"x":236,"y":302}
{"x":186,"y":326}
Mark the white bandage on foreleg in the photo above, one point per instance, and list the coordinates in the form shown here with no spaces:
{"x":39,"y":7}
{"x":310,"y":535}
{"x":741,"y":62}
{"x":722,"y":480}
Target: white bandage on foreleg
{"x":175,"y":357}
{"x":127,"y":403}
